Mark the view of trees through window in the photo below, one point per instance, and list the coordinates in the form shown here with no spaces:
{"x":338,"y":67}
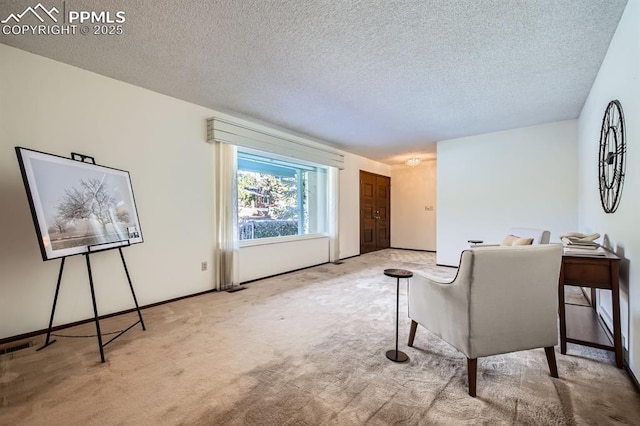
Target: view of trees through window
{"x":276,"y":198}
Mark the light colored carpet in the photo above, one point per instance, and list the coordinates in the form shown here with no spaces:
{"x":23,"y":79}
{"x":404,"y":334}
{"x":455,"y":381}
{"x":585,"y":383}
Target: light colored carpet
{"x":304,"y":348}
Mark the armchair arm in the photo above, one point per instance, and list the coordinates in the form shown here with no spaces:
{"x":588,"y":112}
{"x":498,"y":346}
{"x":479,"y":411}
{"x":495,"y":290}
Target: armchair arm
{"x":442,"y":306}
{"x":433,"y":278}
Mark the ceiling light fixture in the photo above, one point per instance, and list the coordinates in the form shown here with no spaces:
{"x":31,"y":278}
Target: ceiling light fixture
{"x":413,"y":160}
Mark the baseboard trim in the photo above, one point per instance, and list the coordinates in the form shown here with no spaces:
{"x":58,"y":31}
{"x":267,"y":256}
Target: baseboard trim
{"x":410,"y":249}
{"x":101,"y":317}
{"x":35,"y":333}
{"x":634,"y":379}
{"x":283,"y":273}
{"x":349,"y":257}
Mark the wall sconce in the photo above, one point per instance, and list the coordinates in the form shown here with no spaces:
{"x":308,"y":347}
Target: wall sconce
{"x":413,"y":160}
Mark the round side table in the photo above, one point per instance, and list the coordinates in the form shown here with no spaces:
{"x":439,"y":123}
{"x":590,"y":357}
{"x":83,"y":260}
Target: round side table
{"x":396,"y":355}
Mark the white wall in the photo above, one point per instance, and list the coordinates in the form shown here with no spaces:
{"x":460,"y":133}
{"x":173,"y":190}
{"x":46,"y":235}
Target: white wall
{"x":489,"y":183}
{"x":349,"y":216}
{"x":56,"y":108}
{"x":413,"y":206}
{"x":259,"y":261}
{"x":618,"y":78}
{"x":161,"y":141}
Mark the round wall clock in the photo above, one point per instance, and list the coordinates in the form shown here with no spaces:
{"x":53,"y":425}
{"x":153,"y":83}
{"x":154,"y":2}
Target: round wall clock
{"x":611,"y":164}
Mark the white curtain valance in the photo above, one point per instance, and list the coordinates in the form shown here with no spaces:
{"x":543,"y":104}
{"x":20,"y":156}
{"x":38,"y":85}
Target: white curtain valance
{"x":261,"y":138}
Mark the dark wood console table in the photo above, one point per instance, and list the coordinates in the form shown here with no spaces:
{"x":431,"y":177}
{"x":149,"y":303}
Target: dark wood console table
{"x":581,"y":324}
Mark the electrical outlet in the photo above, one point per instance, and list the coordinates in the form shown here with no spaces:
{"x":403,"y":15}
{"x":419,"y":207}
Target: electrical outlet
{"x":203,"y":266}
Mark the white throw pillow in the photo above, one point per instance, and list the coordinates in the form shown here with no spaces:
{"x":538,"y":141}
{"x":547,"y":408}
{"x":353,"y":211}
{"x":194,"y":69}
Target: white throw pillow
{"x":512,"y":240}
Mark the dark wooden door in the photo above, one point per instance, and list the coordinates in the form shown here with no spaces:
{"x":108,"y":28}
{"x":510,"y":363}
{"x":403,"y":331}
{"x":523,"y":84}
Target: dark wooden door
{"x":375,"y":212}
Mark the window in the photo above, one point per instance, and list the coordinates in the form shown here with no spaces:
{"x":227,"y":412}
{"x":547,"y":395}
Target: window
{"x":278,"y":197}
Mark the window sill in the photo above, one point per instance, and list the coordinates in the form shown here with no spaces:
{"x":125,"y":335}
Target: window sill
{"x":278,"y":240}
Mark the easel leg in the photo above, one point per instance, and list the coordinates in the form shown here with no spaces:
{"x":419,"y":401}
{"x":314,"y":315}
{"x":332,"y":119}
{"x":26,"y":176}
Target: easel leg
{"x":95,"y":307}
{"x":53,"y":309}
{"x":133,"y":293}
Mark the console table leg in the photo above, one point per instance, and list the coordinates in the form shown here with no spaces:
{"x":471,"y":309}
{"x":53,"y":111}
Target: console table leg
{"x":561,"y":314}
{"x":615,"y":304}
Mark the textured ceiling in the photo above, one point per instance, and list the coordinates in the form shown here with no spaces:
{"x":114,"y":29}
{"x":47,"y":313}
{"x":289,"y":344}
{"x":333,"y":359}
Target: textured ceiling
{"x":376,"y":78}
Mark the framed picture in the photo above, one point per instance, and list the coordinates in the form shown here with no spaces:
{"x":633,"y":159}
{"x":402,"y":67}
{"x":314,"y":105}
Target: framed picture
{"x":78,"y":207}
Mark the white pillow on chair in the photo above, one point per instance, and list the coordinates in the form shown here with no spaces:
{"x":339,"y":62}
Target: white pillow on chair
{"x":512,"y":240}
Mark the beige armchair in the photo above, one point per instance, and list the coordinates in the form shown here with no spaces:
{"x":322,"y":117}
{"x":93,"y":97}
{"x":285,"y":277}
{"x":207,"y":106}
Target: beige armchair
{"x":503,"y":299}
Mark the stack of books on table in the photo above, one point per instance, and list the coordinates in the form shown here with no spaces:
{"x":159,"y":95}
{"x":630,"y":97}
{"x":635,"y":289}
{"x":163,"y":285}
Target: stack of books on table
{"x":581,"y":246}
